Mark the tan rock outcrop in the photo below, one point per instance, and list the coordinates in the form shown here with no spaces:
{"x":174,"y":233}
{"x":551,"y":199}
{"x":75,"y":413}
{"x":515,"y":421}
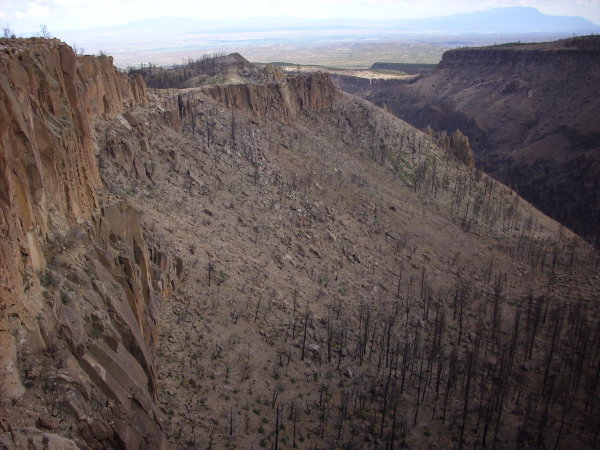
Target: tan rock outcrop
{"x":456,"y":143}
{"x":281,"y":100}
{"x":95,"y":306}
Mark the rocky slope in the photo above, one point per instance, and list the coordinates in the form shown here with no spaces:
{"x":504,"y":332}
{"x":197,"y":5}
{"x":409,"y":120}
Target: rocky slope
{"x":530,"y":113}
{"x":295,"y":268}
{"x":348,"y":283}
{"x":216,"y":68}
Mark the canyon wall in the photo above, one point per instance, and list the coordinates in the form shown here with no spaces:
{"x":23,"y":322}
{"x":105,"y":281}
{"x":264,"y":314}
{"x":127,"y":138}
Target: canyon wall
{"x":79,"y":286}
{"x":530,"y":113}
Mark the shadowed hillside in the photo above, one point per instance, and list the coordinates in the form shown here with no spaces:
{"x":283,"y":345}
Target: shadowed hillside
{"x":530,"y":112}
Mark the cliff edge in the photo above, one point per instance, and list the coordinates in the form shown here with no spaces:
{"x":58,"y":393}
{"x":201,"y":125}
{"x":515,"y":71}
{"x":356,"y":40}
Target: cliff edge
{"x":79,"y":285}
{"x":282,"y":99}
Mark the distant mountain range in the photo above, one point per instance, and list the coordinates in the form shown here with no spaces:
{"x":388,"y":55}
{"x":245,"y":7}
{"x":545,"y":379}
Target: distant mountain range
{"x":170,"y":34}
{"x":498,"y":20}
{"x":502,"y":20}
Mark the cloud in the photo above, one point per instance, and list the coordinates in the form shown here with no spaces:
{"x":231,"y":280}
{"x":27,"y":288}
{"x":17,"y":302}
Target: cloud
{"x":77,"y":14}
{"x":37,"y":11}
{"x":40,"y":9}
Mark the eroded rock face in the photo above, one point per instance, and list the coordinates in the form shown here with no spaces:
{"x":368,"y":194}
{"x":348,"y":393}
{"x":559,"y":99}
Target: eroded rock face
{"x":79,"y":285}
{"x":456,"y":143}
{"x":282,"y":100}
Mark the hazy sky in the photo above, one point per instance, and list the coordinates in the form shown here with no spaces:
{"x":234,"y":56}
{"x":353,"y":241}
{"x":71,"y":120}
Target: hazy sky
{"x":27,"y":15}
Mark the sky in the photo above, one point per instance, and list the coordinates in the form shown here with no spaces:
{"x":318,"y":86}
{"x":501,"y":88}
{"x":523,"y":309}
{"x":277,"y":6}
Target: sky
{"x":26,"y":16}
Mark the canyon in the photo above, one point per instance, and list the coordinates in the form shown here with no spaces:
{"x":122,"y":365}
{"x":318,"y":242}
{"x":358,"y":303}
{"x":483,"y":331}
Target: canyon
{"x":267,"y":261}
{"x":528,"y":112}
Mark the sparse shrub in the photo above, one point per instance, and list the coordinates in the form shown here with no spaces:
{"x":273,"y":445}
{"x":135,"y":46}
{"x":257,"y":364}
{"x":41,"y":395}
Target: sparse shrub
{"x":221,"y":277}
{"x":65,"y":298}
{"x":44,"y":32}
{"x":49,"y":279}
{"x":8,"y":33}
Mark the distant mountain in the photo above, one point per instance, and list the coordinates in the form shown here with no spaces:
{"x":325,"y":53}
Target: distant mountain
{"x":498,"y":20}
{"x":505,"y":20}
{"x":177,"y":34}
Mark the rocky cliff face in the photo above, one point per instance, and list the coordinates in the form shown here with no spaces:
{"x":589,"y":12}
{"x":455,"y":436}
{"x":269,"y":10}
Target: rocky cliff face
{"x":283,"y":99}
{"x":456,"y":144}
{"x":516,"y":55}
{"x":530,"y":113}
{"x":79,"y":286}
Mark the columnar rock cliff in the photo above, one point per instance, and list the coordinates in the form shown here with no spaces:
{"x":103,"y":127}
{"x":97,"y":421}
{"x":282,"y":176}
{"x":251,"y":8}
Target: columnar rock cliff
{"x":79,"y":286}
{"x":281,"y":100}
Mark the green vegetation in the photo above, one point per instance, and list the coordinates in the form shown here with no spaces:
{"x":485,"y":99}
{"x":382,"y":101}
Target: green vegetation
{"x":408,"y":68}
